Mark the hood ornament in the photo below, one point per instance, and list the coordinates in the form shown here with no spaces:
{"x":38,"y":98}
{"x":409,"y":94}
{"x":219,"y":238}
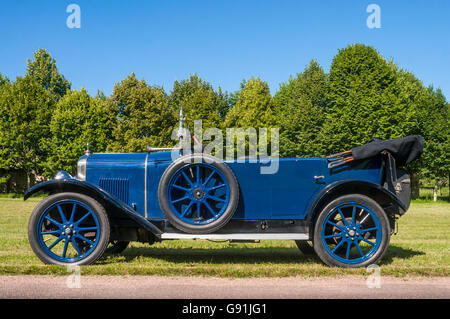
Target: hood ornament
{"x":87,"y":152}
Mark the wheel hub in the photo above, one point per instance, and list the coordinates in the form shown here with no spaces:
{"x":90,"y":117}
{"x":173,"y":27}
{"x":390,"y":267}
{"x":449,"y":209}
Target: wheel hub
{"x":198,"y":193}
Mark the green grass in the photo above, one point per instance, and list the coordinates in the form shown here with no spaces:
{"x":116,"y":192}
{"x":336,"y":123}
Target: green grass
{"x":420,"y":249}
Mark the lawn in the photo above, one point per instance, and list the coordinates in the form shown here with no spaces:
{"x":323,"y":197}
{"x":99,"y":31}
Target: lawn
{"x":420,"y":249}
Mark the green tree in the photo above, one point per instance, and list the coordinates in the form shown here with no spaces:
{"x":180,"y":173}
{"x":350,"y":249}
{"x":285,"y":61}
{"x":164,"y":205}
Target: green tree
{"x":363,"y":101}
{"x":142,"y":116}
{"x":77,"y":119}
{"x":43,"y":69}
{"x":25,"y":112}
{"x":435,"y":162}
{"x":253,"y":108}
{"x":302,"y":105}
{"x":3,"y":80}
{"x":199,"y":101}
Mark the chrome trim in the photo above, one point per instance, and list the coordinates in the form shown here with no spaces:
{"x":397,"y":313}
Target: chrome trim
{"x":238,"y":236}
{"x":145,"y":187}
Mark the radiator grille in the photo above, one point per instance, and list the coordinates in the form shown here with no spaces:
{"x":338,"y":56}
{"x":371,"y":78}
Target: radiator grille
{"x":116,"y":186}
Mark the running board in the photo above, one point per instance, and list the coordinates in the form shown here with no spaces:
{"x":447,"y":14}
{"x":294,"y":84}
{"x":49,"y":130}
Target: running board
{"x":240,"y":236}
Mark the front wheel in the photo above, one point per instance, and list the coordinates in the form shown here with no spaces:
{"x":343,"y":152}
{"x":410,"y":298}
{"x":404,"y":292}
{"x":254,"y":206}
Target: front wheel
{"x":351,"y":231}
{"x":68,"y":228}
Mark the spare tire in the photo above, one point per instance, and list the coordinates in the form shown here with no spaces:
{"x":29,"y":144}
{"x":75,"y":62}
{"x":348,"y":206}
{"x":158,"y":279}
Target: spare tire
{"x":198,"y":193}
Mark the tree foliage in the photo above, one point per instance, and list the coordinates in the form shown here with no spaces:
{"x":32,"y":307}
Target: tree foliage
{"x":302,"y":105}
{"x":142,"y":116}
{"x":253,"y":108}
{"x":362,"y":100}
{"x":43,"y":69}
{"x":44,"y":126}
{"x":25,"y":113}
{"x":77,"y":120}
{"x":199,"y":101}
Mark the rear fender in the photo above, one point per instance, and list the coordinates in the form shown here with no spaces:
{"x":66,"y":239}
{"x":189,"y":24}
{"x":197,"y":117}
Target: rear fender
{"x":387,"y":200}
{"x":67,"y":184}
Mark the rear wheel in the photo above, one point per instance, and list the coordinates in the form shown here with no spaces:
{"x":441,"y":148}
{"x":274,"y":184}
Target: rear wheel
{"x":351,"y":231}
{"x":68,"y":228}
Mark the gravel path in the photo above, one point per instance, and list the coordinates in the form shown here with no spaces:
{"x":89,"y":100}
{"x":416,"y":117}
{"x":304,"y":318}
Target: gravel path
{"x":207,"y":288}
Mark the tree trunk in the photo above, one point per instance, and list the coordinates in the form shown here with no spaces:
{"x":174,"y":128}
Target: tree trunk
{"x":28,"y":180}
{"x":435,"y":190}
{"x":414,"y":185}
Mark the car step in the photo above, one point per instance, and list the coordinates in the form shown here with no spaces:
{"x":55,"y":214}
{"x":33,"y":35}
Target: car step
{"x":240,"y":236}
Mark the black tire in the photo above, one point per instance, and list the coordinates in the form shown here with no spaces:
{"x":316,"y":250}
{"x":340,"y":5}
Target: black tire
{"x":97,"y":209}
{"x":116,"y":247}
{"x":210,"y":226}
{"x":371,"y":258}
{"x":306,"y":247}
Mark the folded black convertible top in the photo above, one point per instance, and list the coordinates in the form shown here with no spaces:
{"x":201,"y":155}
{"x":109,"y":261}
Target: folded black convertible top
{"x":404,"y":150}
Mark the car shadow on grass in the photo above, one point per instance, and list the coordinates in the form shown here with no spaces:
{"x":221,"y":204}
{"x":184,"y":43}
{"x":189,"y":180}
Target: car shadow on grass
{"x":237,"y":255}
{"x":229,"y":255}
{"x":397,"y":252}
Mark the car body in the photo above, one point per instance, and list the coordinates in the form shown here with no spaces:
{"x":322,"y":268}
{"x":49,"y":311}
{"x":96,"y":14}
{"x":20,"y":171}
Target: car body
{"x":153,"y":196}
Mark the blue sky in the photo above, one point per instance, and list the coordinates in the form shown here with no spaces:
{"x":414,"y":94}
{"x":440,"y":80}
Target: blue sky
{"x":223,"y":41}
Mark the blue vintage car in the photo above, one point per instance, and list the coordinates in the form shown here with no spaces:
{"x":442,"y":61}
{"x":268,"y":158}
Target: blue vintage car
{"x":342,"y":207}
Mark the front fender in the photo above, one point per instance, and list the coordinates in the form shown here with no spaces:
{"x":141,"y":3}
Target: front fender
{"x":380,"y":194}
{"x":68,"y":184}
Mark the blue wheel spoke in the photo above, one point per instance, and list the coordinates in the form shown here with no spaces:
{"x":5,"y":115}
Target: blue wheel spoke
{"x":75,"y":245}
{"x":349,"y":246}
{"x":51,"y":232}
{"x":216,"y":187}
{"x":367,"y":229}
{"x":210,"y":208}
{"x":187,"y":208}
{"x":53,"y":221}
{"x":181,"y":187}
{"x":335,"y":225}
{"x":63,"y":217}
{"x":187,"y":178}
{"x":55,"y":242}
{"x":198,"y":210}
{"x":367,"y":241}
{"x":72,"y":215}
{"x":209,"y":177}
{"x":83,"y":218}
{"x":217,"y":199}
{"x":359,"y":249}
{"x":333,"y":236}
{"x":338,"y":245}
{"x":66,"y":243}
{"x":84,"y":239}
{"x":180,"y":199}
{"x":343,"y":217}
